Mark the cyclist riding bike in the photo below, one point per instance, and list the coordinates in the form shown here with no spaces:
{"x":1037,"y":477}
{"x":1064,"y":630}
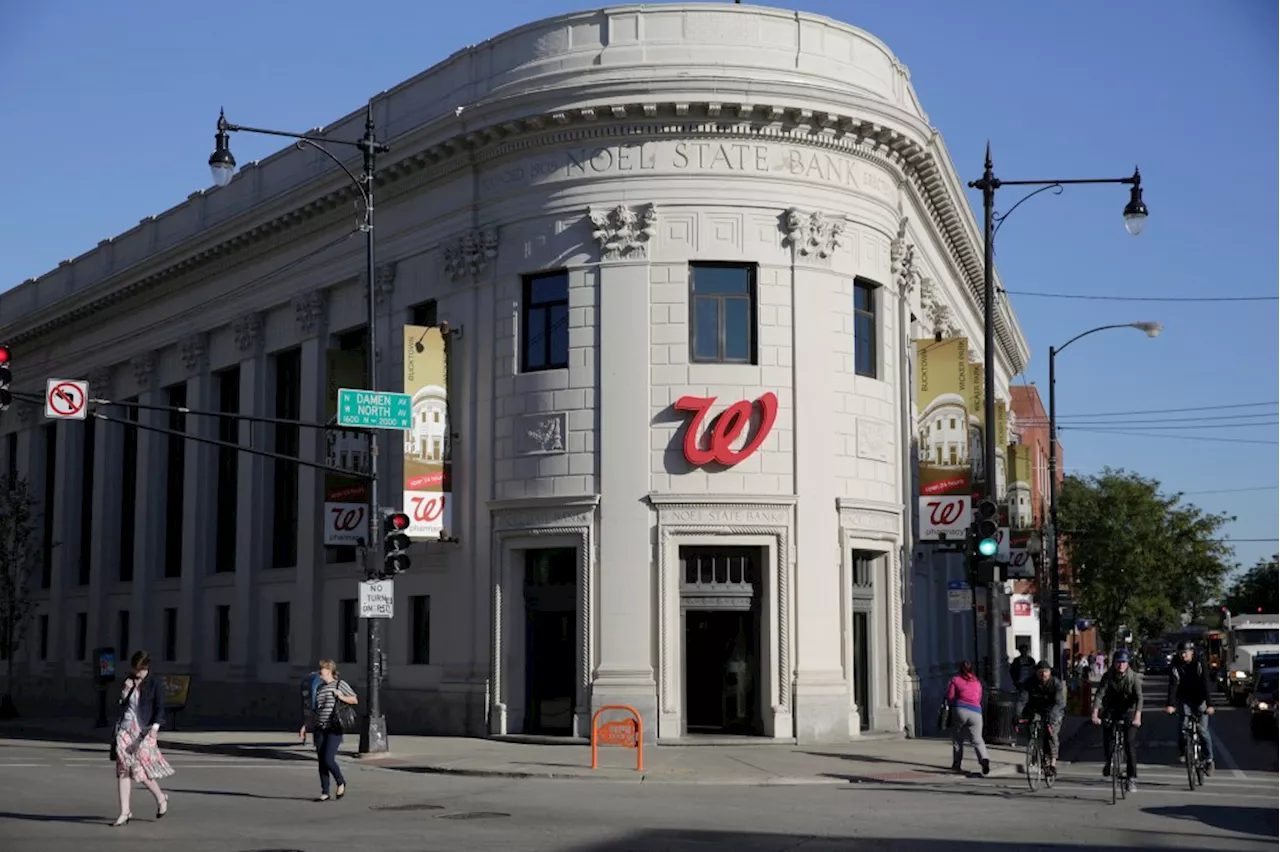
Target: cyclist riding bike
{"x":1190,"y":688}
{"x":1119,"y":700}
{"x":1044,"y":695}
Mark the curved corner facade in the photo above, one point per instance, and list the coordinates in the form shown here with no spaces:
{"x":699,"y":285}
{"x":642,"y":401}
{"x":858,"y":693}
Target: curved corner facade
{"x":682,"y":251}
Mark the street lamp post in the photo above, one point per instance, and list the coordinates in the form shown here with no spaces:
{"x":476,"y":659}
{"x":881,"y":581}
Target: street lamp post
{"x":1152,"y":329}
{"x":1135,"y":217}
{"x":222,"y":164}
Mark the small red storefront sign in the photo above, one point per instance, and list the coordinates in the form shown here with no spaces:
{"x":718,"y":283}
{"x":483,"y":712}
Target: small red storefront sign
{"x":727,"y":429}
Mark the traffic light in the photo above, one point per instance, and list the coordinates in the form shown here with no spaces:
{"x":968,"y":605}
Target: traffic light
{"x":6,"y":376}
{"x":395,"y":542}
{"x":982,"y":540}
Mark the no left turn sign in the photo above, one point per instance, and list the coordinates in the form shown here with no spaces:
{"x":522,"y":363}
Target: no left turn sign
{"x":65,"y":399}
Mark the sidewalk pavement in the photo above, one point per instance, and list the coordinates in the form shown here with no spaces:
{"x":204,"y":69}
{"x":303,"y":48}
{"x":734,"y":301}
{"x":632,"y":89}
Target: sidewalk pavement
{"x":874,"y":758}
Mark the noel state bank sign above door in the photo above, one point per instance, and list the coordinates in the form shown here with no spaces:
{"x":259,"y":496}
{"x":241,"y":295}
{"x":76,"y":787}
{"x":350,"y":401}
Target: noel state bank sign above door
{"x":726,"y":429}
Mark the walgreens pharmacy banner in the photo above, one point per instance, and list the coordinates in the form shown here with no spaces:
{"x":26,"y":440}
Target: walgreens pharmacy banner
{"x":427,"y":465}
{"x":946,"y":441}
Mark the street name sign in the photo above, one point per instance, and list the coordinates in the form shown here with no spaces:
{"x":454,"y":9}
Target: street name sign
{"x":377,"y":599}
{"x":374,"y":409}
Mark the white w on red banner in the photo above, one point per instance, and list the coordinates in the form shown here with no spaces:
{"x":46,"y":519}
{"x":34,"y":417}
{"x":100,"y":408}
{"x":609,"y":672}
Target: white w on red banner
{"x":945,"y":515}
{"x":345,"y":523}
{"x":427,"y":453}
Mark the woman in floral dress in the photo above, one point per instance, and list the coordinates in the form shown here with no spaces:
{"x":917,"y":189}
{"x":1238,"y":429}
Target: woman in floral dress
{"x":138,"y":757}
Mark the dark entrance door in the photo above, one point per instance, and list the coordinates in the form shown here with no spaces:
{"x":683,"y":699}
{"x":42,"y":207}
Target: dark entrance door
{"x":862,"y":668}
{"x":550,"y":594}
{"x":721,"y":640}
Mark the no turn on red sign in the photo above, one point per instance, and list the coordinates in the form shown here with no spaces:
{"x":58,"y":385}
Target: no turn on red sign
{"x":66,"y":399}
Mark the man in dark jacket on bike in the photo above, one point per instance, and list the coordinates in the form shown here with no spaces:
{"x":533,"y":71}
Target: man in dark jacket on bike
{"x":1044,"y":695}
{"x":1190,"y":688}
{"x":1118,"y":701}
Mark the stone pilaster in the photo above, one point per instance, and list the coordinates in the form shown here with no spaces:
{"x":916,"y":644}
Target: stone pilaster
{"x":108,"y":450}
{"x":200,"y":484}
{"x":148,"y":547}
{"x":306,"y":617}
{"x":254,"y":511}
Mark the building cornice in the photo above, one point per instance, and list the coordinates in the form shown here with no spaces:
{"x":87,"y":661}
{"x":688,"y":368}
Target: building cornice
{"x":885,"y":143}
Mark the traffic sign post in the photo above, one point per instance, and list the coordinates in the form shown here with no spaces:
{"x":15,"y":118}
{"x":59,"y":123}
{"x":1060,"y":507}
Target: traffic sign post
{"x":374,"y":409}
{"x":377,"y":599}
{"x":65,"y":399}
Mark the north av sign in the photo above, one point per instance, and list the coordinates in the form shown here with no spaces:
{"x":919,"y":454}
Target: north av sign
{"x":728,"y":427}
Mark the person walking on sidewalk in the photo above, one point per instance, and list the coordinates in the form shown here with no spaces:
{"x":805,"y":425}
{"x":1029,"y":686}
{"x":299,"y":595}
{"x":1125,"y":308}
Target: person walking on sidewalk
{"x":964,"y":694}
{"x":137,"y":755}
{"x":326,"y":728}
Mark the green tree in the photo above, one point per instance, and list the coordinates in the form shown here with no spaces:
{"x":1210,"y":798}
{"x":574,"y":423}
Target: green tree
{"x":1140,"y":557}
{"x":1257,"y":587}
{"x":20,"y":554}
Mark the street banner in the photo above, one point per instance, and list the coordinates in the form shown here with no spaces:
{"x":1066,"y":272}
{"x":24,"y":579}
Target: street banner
{"x":977,"y":427}
{"x":343,"y":449}
{"x":1019,"y":473}
{"x":1021,"y":565}
{"x":942,"y":393}
{"x":1002,"y":444}
{"x":428,"y":500}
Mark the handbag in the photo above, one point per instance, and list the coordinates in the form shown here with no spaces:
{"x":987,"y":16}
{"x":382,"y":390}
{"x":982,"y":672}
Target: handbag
{"x":344,"y":718}
{"x":944,"y":716}
{"x":112,"y":752}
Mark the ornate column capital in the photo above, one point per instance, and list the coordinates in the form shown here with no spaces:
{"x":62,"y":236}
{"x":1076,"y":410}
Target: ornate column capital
{"x":812,"y":235}
{"x":384,"y":282}
{"x":936,"y":309}
{"x":622,"y":230}
{"x":248,"y":332}
{"x":144,"y":369}
{"x":311,"y":311}
{"x":195,"y":353}
{"x":470,"y":253}
{"x":902,"y":262}
{"x":100,"y":383}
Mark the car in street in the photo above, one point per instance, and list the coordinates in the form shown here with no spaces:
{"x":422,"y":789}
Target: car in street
{"x":1262,"y":703}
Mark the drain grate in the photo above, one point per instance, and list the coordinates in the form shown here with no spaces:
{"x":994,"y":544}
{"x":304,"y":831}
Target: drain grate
{"x":409,"y":807}
{"x":474,"y":815}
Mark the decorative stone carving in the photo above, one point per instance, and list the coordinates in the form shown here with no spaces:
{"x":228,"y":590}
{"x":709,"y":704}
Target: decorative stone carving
{"x":100,"y":384}
{"x":144,"y":369}
{"x":248,"y":331}
{"x":195,"y":353}
{"x":936,"y":310}
{"x":470,"y":253}
{"x":621,"y":230}
{"x":541,"y":434}
{"x":524,"y":520}
{"x":873,"y":441}
{"x":25,"y":413}
{"x":384,"y":282}
{"x":812,"y":234}
{"x":310,"y":311}
{"x":902,"y":262}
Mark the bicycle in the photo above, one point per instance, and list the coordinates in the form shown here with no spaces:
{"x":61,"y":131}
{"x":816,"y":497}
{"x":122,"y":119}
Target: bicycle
{"x":1196,"y":762}
{"x":1036,"y":758}
{"x":1119,"y":764}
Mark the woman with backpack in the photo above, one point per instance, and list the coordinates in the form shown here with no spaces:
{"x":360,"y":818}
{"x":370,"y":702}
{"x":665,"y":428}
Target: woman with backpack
{"x":331,"y":716}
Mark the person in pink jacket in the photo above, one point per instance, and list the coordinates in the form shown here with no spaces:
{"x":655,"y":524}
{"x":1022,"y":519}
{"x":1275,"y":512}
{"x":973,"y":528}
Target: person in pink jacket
{"x":964,"y":694}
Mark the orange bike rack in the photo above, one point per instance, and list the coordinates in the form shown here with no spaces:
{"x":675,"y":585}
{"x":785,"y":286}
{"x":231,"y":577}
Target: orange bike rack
{"x":628,"y":733}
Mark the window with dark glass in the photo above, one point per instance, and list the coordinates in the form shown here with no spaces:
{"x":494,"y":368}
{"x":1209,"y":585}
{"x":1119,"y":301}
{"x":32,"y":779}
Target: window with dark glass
{"x":722,"y":313}
{"x":222,"y":634}
{"x":288,"y":406}
{"x":11,"y":466}
{"x":44,"y":637}
{"x":545,"y":322}
{"x":50,"y":489}
{"x":865,"y":362}
{"x":175,"y":482}
{"x":82,"y":635}
{"x":424,"y":313}
{"x":420,"y":638}
{"x":128,"y":491}
{"x":350,"y":626}
{"x":122,"y":634}
{"x":281,"y":621}
{"x":170,"y":634}
{"x":86,"y":502}
{"x":228,"y":383}
{"x":349,"y":341}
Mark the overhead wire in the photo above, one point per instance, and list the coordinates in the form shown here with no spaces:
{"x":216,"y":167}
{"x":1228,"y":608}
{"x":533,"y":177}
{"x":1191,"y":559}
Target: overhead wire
{"x":1102,"y":298}
{"x":1097,"y":431}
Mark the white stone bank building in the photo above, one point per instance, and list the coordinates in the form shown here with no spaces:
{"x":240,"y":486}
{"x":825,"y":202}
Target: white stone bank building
{"x":626,"y":217}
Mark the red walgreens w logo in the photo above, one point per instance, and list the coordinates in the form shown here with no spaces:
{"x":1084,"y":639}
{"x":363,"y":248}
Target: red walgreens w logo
{"x":427,"y":510}
{"x":347,"y":520}
{"x":945,"y":513}
{"x":726,"y":430}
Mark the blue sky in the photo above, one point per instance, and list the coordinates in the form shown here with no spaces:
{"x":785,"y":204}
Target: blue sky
{"x":111,"y":108}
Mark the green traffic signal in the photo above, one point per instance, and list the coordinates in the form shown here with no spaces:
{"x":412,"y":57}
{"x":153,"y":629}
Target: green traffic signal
{"x":988,"y":547}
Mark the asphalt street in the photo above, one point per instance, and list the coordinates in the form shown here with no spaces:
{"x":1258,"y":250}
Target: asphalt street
{"x":60,"y":797}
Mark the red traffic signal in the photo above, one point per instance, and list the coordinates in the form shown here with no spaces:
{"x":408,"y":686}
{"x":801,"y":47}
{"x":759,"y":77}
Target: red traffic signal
{"x":397,"y":521}
{"x":4,"y":354}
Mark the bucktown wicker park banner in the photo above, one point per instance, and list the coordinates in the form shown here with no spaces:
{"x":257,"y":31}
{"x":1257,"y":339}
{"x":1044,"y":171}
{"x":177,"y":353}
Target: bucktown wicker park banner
{"x":427,"y":465}
{"x":977,"y":429}
{"x":942,"y":397}
{"x":345,"y":498}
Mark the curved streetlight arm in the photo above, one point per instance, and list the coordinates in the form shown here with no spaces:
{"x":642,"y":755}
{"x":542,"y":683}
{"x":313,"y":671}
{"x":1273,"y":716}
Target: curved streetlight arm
{"x":1089,"y":332}
{"x":999,"y":220}
{"x":302,"y":140}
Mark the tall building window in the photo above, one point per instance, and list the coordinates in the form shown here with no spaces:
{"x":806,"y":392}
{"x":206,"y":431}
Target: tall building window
{"x":420,"y":637}
{"x":122,"y":635}
{"x":128,"y":492}
{"x":288,"y":406}
{"x":228,"y":383}
{"x":44,"y":636}
{"x":50,"y":491}
{"x":424,"y":313}
{"x":722,"y":313}
{"x":175,"y":476}
{"x":865,"y":362}
{"x":350,"y":341}
{"x":222,"y":633}
{"x":280,"y":647}
{"x":11,"y":466}
{"x":170,"y":635}
{"x":545,"y":322}
{"x":82,"y":635}
{"x":86,"y":502}
{"x":350,"y":626}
